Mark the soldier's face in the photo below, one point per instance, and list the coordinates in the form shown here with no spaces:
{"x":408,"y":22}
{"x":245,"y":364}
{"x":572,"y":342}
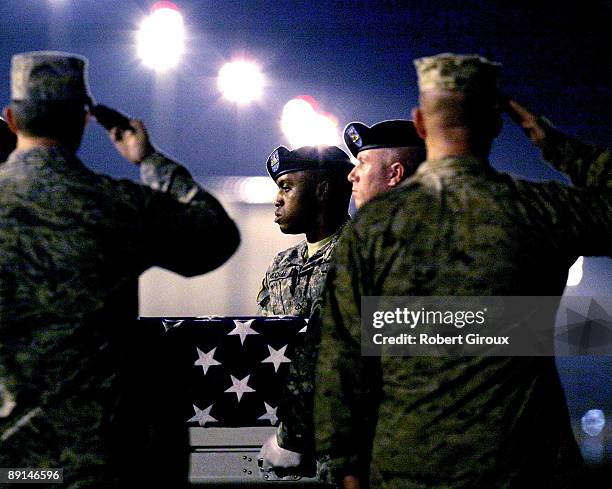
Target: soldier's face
{"x":370,"y":176}
{"x":295,"y":202}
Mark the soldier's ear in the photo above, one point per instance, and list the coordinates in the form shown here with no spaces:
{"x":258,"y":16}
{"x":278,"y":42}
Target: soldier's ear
{"x":7,"y":114}
{"x":395,"y":173}
{"x":419,"y":123}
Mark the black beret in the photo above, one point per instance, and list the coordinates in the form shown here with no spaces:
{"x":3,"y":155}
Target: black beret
{"x":283,"y":161}
{"x":396,"y":133}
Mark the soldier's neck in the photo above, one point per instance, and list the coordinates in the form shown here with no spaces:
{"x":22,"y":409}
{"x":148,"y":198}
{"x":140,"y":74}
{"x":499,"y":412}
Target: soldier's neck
{"x":324,"y":229}
{"x":25,"y":143}
{"x":451,"y":143}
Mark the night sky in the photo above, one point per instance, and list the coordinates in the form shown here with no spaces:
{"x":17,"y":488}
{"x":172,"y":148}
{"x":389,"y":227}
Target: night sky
{"x":354,"y":57}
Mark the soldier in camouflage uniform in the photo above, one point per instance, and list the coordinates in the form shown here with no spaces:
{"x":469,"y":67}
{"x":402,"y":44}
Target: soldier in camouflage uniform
{"x":458,"y":227}
{"x":313,"y":199}
{"x":76,"y":380}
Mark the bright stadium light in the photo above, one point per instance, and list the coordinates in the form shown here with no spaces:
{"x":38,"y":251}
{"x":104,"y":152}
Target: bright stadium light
{"x":302,"y":125}
{"x":240,"y":81}
{"x":575,"y":272}
{"x":161,"y":37}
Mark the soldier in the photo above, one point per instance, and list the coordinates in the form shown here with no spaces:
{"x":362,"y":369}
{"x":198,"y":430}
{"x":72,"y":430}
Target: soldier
{"x":72,"y":247}
{"x":313,"y":198}
{"x":388,"y":153}
{"x":8,"y":140}
{"x":457,"y":227}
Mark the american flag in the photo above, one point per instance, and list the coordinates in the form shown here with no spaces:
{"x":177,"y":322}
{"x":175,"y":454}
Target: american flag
{"x":232,"y":368}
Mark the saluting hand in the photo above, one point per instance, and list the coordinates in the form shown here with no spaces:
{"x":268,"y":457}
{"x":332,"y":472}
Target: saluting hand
{"x":527,"y":120}
{"x":133,"y":145}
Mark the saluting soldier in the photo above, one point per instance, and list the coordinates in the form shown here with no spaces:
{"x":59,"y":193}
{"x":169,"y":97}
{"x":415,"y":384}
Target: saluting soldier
{"x":457,"y":227}
{"x":388,"y":152}
{"x":72,"y":246}
{"x":313,"y":199}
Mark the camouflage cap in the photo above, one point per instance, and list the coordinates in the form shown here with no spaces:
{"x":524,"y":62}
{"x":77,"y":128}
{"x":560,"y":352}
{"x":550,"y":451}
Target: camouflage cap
{"x":463,"y":72}
{"x":308,"y":158}
{"x":49,"y":76}
{"x":396,"y":133}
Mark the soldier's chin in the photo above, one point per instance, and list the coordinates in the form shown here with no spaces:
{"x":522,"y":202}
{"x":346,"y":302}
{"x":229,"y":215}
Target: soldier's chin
{"x":286,"y":228}
{"x":358,"y":200}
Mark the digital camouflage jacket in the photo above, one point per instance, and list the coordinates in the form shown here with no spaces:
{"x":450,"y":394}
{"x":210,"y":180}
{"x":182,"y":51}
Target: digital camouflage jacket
{"x":76,"y":377}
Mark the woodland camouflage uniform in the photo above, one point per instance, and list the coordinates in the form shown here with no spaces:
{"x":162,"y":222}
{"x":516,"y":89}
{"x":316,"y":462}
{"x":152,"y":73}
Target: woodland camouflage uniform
{"x":458,"y":227}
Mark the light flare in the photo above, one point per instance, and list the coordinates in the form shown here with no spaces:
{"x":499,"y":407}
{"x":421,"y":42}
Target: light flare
{"x":161,"y":38}
{"x":303,"y":125}
{"x":241,"y":81}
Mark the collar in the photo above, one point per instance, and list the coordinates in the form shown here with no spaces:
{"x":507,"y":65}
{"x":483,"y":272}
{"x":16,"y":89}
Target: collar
{"x":46,"y":154}
{"x":454,"y":164}
{"x":325,"y":243}
{"x":312,"y":248}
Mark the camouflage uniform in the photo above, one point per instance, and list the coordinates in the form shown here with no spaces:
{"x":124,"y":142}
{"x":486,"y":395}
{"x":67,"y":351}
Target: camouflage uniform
{"x":588,"y":165}
{"x":293,"y":285}
{"x":293,"y":282}
{"x":77,"y":379}
{"x":458,"y":228}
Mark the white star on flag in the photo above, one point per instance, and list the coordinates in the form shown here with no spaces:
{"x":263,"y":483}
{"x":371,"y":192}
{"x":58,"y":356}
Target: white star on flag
{"x":277,"y":357}
{"x":206,"y":360}
{"x":270,"y":414}
{"x":202,"y":416}
{"x":303,"y":330}
{"x":240,"y":387}
{"x":243,"y":329}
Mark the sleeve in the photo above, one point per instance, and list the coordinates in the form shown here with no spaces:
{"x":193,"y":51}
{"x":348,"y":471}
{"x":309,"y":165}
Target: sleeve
{"x":586,"y":165}
{"x":295,"y":432}
{"x":584,"y":217}
{"x":187,"y":229}
{"x":587,"y":207}
{"x":347,"y":385}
